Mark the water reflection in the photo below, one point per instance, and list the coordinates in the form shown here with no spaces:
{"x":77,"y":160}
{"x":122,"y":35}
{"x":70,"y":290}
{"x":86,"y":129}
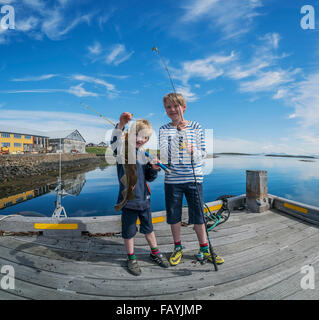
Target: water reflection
{"x":95,"y":192}
{"x":72,"y":186}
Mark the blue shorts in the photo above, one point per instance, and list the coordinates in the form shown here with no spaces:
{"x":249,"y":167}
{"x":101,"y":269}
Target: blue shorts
{"x":174,"y":202}
{"x":129,"y":218}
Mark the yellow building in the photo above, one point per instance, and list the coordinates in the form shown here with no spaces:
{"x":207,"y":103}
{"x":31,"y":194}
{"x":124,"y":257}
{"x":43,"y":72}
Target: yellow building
{"x":20,"y":140}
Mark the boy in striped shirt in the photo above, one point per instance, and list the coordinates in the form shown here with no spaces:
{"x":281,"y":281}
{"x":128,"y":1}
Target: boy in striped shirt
{"x":182,"y":148}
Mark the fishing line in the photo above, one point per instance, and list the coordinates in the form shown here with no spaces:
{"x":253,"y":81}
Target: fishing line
{"x":170,"y":79}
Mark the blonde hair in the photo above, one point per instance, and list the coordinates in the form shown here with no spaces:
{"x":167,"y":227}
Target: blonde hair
{"x":176,"y":98}
{"x":140,"y":127}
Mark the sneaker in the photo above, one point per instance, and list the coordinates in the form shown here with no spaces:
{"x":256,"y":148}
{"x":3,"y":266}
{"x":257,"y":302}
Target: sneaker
{"x":133,"y":267}
{"x":176,"y":257}
{"x":159,"y":259}
{"x":207,"y":256}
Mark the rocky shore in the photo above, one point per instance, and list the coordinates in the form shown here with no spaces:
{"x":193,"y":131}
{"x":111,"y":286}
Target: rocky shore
{"x":14,"y":167}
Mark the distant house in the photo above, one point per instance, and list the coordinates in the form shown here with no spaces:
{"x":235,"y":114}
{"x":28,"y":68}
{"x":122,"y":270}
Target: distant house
{"x":91,"y":145}
{"x":67,"y":140}
{"x":102,"y":144}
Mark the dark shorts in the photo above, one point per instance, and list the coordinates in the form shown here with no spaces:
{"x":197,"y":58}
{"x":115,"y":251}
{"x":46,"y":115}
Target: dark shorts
{"x":129,"y":218}
{"x":174,"y":202}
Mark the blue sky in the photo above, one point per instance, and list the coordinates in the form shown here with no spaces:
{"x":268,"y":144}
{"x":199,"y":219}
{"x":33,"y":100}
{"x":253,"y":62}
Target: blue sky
{"x":246,"y":67}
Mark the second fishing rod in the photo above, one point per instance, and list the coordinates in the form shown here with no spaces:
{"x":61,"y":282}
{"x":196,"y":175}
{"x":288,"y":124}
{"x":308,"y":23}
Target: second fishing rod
{"x":182,"y":145}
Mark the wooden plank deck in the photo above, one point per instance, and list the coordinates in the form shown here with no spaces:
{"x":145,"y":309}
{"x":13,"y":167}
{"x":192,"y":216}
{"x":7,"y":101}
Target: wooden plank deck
{"x":263,"y":253}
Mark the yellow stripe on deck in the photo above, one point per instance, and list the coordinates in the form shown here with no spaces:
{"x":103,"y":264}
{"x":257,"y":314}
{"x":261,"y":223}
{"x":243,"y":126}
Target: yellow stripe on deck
{"x":214,"y":208}
{"x":295,"y":208}
{"x":154,"y":220}
{"x":56,"y":226}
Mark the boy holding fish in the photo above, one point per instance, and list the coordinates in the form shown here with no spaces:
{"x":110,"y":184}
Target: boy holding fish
{"x":134,"y":195}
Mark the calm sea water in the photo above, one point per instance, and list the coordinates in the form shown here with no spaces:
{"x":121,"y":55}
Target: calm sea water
{"x":95,"y":192}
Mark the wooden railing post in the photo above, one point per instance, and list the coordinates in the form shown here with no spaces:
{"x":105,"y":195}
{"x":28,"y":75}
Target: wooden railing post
{"x":257,"y":191}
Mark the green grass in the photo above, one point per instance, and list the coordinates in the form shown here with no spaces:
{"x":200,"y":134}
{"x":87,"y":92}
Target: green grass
{"x":95,"y":150}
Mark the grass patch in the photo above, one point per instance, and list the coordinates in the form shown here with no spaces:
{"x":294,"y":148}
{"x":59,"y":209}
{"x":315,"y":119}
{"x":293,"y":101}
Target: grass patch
{"x":96,"y":150}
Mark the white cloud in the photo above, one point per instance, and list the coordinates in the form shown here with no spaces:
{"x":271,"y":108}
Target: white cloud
{"x":113,"y":55}
{"x":115,"y":76}
{"x":303,"y":97}
{"x":273,"y":39}
{"x":35,"y":78}
{"x":95,"y":49}
{"x":34,"y":91}
{"x":117,"y":55}
{"x":281,"y":93}
{"x":45,"y":19}
{"x":79,"y":91}
{"x":305,"y":100}
{"x":28,"y":24}
{"x":270,"y":80}
{"x":240,"y":72}
{"x":110,"y":88}
{"x":196,"y":9}
{"x":207,"y":69}
{"x":55,"y":25}
{"x":233,"y":17}
{"x":187,"y":93}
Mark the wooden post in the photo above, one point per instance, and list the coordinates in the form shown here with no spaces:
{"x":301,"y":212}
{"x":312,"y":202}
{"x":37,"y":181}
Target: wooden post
{"x":257,"y":191}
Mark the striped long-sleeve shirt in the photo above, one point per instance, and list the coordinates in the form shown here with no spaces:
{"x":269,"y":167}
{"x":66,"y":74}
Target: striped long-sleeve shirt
{"x":173,"y":152}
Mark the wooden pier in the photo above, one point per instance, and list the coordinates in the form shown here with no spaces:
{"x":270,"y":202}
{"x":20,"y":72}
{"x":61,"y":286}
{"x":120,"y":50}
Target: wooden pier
{"x":264,"y":254}
{"x":269,"y":244}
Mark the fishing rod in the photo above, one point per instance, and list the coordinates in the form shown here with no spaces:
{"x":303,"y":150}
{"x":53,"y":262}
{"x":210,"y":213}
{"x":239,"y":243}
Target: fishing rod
{"x":192,"y":161}
{"x":114,"y":125}
{"x":170,"y":79}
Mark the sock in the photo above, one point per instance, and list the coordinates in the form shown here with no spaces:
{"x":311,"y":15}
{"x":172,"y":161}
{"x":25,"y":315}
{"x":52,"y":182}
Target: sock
{"x":155,"y":250}
{"x":178,"y":245}
{"x":204,"y":247}
{"x":131,"y":256}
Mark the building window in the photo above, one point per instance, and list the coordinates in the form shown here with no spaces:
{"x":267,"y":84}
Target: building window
{"x":18,"y":136}
{"x":7,"y":204}
{"x":21,"y":199}
{"x":27,"y":137}
{"x":5,"y":144}
{"x":17,"y":145}
{"x":5,"y":135}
